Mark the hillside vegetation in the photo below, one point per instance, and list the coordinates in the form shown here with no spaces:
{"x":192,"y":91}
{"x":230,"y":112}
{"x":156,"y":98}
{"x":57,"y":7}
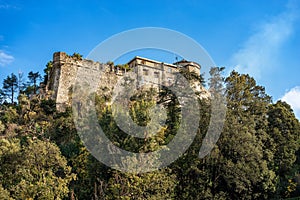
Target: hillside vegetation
{"x":256,"y":157}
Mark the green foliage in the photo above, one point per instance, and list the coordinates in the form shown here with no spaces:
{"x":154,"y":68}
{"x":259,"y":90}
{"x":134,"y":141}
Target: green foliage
{"x":77,"y":56}
{"x":117,"y":185}
{"x":4,"y":194}
{"x":47,"y":71}
{"x":34,"y":169}
{"x":284,"y":130}
{"x":124,"y":67}
{"x":2,"y":96}
{"x":192,"y":76}
{"x":154,"y":185}
{"x":110,"y":63}
{"x":243,"y":155}
{"x":48,"y":68}
{"x":49,"y":106}
{"x":256,"y":157}
{"x":9,"y":115}
{"x":10,"y":86}
{"x":2,"y":127}
{"x":33,"y":77}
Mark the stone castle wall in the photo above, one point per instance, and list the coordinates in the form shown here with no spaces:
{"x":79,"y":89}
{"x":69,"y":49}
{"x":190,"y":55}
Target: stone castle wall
{"x":63,"y":77}
{"x":64,"y":73}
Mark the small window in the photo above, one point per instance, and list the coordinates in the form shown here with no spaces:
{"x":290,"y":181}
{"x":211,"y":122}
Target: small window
{"x":169,"y":80}
{"x":145,"y":72}
{"x":156,"y":74}
{"x":169,"y":70}
{"x":143,"y":62}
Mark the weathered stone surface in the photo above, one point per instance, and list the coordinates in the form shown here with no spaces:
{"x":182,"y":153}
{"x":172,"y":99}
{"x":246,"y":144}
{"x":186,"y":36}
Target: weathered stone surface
{"x":68,"y":71}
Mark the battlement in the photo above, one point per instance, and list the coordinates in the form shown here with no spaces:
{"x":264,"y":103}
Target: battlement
{"x":59,"y":57}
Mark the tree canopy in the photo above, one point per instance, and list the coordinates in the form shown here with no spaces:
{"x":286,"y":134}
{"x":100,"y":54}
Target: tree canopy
{"x":256,"y":156}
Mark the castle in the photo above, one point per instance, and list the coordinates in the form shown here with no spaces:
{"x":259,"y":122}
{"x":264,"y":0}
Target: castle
{"x":62,"y":76}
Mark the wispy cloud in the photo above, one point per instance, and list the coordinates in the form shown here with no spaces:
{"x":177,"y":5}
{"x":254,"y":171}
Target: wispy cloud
{"x":260,"y":51}
{"x":7,"y":6}
{"x":292,"y":97}
{"x":5,"y":58}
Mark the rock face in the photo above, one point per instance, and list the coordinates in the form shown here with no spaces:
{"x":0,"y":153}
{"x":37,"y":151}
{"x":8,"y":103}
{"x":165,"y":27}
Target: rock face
{"x":67,"y":71}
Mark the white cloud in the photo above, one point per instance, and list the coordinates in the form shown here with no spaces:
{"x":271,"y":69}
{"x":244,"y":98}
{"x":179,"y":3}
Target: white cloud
{"x":292,"y":97}
{"x":260,"y":51}
{"x":4,"y":6}
{"x":5,"y":58}
{"x":7,"y":6}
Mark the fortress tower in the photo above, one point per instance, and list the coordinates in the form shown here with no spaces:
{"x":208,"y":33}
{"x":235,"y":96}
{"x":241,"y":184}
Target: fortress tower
{"x":63,"y":74}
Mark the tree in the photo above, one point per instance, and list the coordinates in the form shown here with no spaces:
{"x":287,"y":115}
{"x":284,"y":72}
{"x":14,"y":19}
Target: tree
{"x":112,"y":184}
{"x":198,"y":178}
{"x":154,"y":185}
{"x":10,"y":86}
{"x":47,"y":71}
{"x":33,"y":169}
{"x":77,"y":56}
{"x":242,"y":154}
{"x":284,"y":130}
{"x":21,"y":84}
{"x":2,"y":96}
{"x":33,"y":78}
{"x":192,"y":76}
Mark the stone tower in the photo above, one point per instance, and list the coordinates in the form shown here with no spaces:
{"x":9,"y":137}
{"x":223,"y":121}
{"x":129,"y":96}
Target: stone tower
{"x":63,"y":75}
{"x":189,"y":65}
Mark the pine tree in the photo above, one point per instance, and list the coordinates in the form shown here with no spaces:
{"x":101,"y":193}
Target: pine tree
{"x":10,"y":86}
{"x":33,"y":79}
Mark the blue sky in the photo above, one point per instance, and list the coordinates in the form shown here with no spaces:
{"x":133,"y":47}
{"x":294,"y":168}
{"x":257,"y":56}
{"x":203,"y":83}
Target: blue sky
{"x":256,"y":37}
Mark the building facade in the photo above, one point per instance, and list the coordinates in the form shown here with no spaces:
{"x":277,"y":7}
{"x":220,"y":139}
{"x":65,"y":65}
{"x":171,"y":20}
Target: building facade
{"x":157,"y":73}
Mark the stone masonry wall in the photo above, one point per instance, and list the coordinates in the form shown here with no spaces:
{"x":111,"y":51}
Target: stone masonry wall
{"x":62,"y":77}
{"x":64,"y":73}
